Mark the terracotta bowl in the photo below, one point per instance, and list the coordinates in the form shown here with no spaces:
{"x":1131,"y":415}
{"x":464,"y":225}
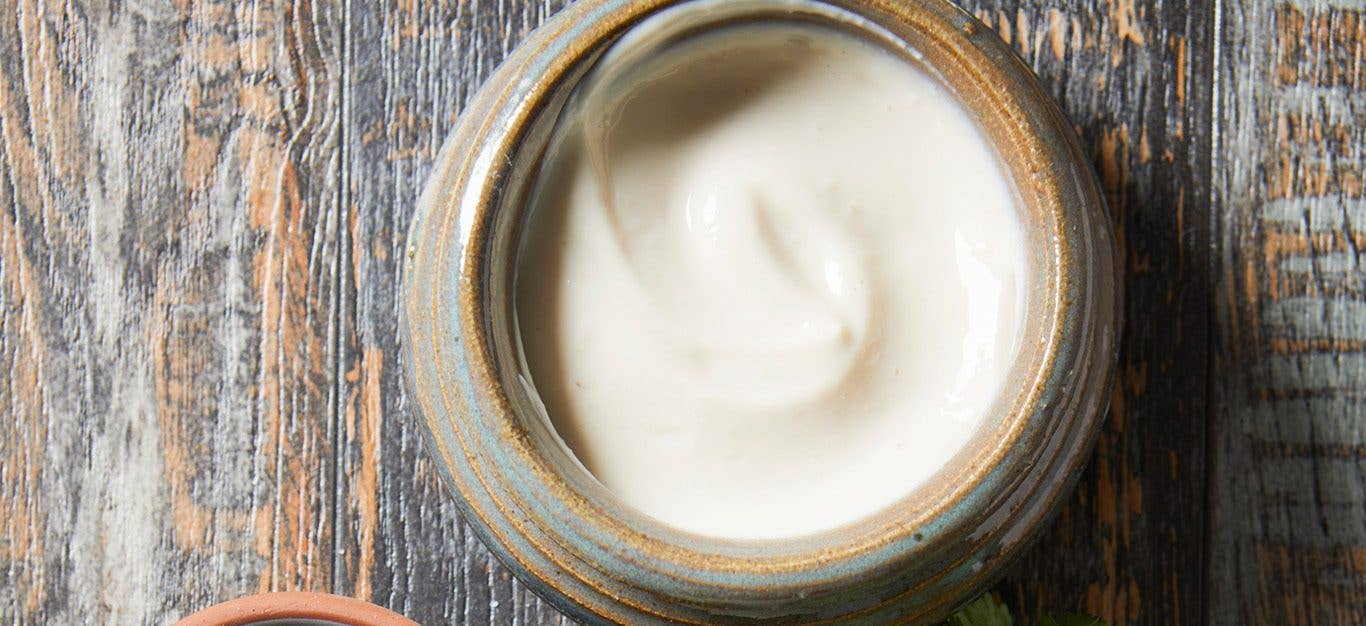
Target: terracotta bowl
{"x":296,"y":607}
{"x":574,"y":543}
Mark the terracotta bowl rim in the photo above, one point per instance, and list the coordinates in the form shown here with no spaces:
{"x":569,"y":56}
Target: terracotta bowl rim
{"x":280,"y":605}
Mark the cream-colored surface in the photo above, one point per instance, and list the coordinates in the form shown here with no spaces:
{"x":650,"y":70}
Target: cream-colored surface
{"x":773,"y":280}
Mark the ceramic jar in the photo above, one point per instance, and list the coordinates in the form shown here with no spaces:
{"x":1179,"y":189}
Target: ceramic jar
{"x":567,"y":537}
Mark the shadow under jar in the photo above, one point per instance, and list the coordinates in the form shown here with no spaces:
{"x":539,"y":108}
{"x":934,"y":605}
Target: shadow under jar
{"x":573,"y":541}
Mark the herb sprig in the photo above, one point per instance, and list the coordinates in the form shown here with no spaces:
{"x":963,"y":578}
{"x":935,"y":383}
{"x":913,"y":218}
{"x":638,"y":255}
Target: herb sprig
{"x":986,"y":611}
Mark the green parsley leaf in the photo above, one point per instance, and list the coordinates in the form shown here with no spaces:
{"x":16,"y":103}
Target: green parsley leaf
{"x":984,"y":611}
{"x":1071,"y":620}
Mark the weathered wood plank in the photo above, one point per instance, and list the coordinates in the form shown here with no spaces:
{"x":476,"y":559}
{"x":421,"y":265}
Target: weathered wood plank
{"x":1288,"y":526}
{"x":202,"y":209}
{"x":254,"y":412}
{"x":168,"y":225}
{"x":1135,"y":79}
{"x":411,"y":67}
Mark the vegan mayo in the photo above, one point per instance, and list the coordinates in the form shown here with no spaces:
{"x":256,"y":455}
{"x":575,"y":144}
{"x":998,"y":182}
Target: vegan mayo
{"x":773,"y":278}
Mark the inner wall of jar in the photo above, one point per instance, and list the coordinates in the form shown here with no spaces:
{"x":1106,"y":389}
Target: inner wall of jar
{"x":508,"y":238}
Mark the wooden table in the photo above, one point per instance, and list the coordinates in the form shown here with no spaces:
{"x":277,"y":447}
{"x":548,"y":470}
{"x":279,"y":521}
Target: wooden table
{"x":202,"y":206}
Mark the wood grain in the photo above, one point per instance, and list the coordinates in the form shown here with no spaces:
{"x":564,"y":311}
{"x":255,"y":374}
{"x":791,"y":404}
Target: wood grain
{"x":411,"y":66}
{"x":169,"y":227}
{"x":1288,"y":522}
{"x":1134,"y":77}
{"x":202,"y":212}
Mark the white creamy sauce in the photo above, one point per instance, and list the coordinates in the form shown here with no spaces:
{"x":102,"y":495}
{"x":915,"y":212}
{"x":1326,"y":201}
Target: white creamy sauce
{"x":773,"y":282}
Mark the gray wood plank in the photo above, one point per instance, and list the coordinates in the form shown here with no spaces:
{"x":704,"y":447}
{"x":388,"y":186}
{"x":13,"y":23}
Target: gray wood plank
{"x":1288,"y":525}
{"x":410,"y":67}
{"x":168,"y":221}
{"x":202,"y":207}
{"x":1135,"y":79}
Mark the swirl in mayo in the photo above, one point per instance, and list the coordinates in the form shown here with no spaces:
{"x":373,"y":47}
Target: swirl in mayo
{"x":773,"y":278}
